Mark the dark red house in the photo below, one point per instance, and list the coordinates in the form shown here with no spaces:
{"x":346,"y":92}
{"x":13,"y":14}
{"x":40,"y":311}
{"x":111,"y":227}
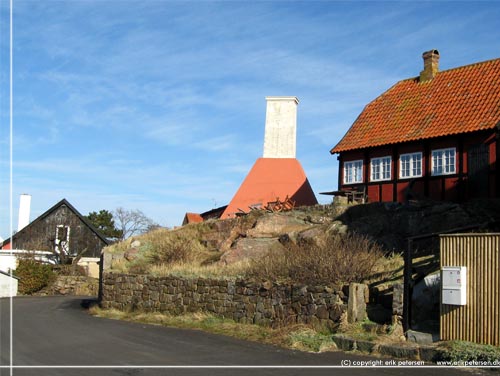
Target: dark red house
{"x":432,"y":136}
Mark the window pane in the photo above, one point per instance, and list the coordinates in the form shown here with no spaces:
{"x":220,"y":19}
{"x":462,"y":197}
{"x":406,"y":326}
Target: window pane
{"x":381,"y":168}
{"x":405,"y":166}
{"x":443,"y":161}
{"x":359,"y":169}
{"x":375,"y":169}
{"x":450,"y":161}
{"x":347,"y":173}
{"x":386,"y":166}
{"x":411,"y":165}
{"x":437,"y":163}
{"x":417,"y":164}
{"x":353,"y":172}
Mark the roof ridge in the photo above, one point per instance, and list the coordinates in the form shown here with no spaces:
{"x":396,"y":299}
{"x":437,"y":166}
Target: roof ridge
{"x":471,"y":64}
{"x":448,"y":70}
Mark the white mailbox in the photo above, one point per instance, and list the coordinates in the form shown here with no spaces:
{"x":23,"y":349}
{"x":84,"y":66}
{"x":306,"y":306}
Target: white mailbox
{"x":454,"y":285}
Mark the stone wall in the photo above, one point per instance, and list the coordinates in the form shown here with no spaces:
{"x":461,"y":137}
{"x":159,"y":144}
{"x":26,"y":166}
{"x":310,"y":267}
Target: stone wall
{"x":72,"y":285}
{"x":246,"y":302}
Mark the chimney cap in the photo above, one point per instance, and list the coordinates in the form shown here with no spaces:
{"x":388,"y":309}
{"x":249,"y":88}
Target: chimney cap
{"x":283,"y":98}
{"x":430,"y":53}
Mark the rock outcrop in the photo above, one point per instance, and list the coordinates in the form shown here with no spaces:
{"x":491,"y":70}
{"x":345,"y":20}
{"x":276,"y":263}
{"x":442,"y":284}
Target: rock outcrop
{"x":389,"y":224}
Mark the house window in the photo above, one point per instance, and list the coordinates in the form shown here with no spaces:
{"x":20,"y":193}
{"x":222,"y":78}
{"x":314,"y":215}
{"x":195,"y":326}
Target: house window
{"x":410,"y":165}
{"x":62,"y":239}
{"x":353,"y":172}
{"x":381,"y":169}
{"x":443,"y":161}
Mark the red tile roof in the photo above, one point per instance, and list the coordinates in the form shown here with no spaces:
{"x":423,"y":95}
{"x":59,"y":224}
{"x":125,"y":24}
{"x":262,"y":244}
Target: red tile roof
{"x":192,"y":218}
{"x":459,"y":100}
{"x":272,"y":178}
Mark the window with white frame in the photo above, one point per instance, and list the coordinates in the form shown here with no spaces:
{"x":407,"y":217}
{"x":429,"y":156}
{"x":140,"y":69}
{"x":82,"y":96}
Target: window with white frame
{"x":353,"y":172}
{"x":381,"y":169}
{"x":62,"y":239}
{"x":444,"y":161}
{"x":410,"y":165}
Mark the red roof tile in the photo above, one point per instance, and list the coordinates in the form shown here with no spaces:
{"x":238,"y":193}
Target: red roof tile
{"x":459,"y":100}
{"x":272,"y":178}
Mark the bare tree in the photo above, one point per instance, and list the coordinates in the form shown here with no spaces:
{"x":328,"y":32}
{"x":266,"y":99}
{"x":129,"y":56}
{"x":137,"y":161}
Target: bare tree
{"x":132,"y":222}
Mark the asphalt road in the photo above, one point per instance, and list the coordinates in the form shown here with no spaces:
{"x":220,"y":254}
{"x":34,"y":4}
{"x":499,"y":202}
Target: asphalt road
{"x":52,"y":334}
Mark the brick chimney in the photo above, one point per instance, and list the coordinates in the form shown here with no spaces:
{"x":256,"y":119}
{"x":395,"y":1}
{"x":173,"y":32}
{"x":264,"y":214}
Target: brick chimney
{"x":431,"y":65}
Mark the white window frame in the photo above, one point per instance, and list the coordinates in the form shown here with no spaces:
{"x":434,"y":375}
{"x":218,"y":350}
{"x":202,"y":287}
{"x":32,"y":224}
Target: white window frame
{"x":62,"y":245}
{"x":441,"y":158}
{"x":380,"y":168}
{"x":353,"y":172}
{"x":414,"y":163}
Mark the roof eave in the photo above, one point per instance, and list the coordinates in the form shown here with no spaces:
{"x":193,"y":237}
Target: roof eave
{"x":337,"y":150}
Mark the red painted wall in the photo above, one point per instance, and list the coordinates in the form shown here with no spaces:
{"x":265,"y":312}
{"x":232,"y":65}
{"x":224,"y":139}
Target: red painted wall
{"x":387,"y":193}
{"x":445,"y":187}
{"x":417,"y":190}
{"x":373,"y":193}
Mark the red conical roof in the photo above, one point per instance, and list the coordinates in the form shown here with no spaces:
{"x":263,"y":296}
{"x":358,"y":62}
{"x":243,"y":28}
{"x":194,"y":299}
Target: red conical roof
{"x":269,"y":179}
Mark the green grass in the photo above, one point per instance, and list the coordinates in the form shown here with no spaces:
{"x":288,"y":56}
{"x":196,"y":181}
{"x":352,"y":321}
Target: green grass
{"x":456,"y":351}
{"x":307,"y":339}
{"x":367,"y":331}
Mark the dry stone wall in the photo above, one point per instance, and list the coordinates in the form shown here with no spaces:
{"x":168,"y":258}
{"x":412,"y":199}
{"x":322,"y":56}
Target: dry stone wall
{"x":72,"y":285}
{"x":246,"y":302}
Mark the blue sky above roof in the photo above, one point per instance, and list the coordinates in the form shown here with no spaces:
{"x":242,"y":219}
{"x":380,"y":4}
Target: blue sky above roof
{"x":160,"y":105}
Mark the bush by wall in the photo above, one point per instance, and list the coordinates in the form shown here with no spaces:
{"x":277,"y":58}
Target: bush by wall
{"x":33,"y":276}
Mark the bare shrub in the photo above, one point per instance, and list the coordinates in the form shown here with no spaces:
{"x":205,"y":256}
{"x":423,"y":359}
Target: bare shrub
{"x":343,"y":259}
{"x":69,"y":270}
{"x":171,"y":249}
{"x":132,"y":222}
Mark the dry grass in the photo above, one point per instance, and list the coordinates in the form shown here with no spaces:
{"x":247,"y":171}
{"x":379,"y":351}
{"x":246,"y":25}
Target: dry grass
{"x":299,"y":337}
{"x":191,"y":270}
{"x":183,"y":252}
{"x":161,"y":247}
{"x":161,"y":239}
{"x":343,"y":259}
{"x":387,"y":270}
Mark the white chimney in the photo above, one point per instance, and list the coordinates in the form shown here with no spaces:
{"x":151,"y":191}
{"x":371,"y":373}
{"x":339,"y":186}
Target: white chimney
{"x":281,"y":127}
{"x":24,"y":211}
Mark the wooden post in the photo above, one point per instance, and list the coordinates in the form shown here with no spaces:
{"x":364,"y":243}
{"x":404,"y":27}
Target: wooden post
{"x":407,"y":286}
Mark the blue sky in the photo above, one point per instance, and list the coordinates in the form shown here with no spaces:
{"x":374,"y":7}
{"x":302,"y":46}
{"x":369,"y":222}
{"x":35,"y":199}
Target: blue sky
{"x":160,"y":105}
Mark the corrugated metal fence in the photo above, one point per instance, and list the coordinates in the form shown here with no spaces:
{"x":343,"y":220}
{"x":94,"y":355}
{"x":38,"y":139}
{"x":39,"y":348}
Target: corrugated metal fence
{"x":478,"y":320}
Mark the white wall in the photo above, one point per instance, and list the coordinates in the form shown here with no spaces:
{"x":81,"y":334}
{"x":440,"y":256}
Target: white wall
{"x":5,"y":286}
{"x":8,"y":258}
{"x":91,"y":265}
{"x":7,"y":261}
